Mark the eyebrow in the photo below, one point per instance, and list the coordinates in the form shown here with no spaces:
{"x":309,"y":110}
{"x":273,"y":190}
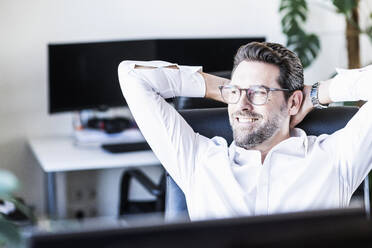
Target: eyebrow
{"x":258,"y":84}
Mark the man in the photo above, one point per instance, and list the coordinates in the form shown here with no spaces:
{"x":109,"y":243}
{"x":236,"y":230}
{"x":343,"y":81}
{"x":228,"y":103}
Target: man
{"x":270,"y":167}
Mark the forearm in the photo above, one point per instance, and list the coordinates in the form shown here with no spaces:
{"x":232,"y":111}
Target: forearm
{"x":170,"y":137}
{"x":351,"y":85}
{"x":211,"y":86}
{"x":168,"y":80}
{"x":211,"y":82}
{"x":348,"y":85}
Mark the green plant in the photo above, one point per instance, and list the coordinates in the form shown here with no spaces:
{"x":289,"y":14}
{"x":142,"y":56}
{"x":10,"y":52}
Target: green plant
{"x":307,"y":45}
{"x":9,"y":230}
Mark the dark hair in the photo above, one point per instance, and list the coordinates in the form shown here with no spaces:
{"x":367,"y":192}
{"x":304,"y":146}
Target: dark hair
{"x":291,"y":71}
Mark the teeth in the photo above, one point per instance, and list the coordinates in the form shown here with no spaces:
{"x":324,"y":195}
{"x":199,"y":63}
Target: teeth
{"x":246,"y":120}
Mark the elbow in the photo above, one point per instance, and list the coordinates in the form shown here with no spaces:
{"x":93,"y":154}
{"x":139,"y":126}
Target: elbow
{"x":130,"y":83}
{"x":124,"y":69}
{"x":124,"y":77}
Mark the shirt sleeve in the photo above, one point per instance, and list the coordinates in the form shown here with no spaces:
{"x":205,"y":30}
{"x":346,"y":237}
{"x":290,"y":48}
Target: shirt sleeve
{"x":170,"y":137}
{"x":353,"y":144}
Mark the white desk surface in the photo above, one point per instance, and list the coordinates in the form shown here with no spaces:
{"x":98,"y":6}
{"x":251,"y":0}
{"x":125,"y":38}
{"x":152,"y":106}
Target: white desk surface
{"x":59,"y":153}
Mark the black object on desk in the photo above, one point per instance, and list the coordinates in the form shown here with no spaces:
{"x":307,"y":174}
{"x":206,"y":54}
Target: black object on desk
{"x":329,"y":228}
{"x":109,"y":125}
{"x":126,"y":147}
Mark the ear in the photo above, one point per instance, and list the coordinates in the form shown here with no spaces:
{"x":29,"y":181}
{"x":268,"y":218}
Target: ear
{"x":294,"y":102}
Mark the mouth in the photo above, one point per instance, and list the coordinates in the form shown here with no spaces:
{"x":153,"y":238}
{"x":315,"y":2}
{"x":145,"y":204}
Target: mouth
{"x":243,"y":119}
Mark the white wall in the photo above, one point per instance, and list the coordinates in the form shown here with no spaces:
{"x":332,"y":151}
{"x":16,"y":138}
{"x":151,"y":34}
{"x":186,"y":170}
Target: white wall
{"x":27,"y":26}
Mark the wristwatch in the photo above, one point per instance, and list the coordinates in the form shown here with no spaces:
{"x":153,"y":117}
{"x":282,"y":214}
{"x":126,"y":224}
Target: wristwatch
{"x":314,"y":97}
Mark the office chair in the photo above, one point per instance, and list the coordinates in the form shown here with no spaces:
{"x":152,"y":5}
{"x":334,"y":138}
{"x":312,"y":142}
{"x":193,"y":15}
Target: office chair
{"x":127,"y":206}
{"x":324,"y":121}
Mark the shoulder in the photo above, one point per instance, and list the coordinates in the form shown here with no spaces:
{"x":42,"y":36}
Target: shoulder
{"x":208,"y":146}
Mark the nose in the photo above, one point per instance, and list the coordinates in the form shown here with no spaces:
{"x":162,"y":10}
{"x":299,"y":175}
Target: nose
{"x":244,"y":103}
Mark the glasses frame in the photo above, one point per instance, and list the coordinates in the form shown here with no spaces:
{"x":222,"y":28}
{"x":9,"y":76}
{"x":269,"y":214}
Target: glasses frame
{"x":248,"y":92}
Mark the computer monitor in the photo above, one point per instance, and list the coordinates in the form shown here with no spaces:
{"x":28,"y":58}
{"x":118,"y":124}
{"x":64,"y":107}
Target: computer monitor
{"x":328,"y":228}
{"x":84,"y":75}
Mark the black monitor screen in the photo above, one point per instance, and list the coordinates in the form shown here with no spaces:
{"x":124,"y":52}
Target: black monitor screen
{"x":84,"y":75}
{"x":213,"y":54}
{"x":331,"y":228}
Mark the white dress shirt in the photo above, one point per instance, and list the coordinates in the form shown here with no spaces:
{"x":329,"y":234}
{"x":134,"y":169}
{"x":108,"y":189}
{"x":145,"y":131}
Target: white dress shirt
{"x":300,"y":173}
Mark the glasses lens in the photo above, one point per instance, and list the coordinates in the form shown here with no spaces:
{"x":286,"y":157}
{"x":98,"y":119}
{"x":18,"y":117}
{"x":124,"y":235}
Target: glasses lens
{"x":230,"y":94}
{"x":258,"y":95}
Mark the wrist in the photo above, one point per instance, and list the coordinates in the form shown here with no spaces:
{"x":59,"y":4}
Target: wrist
{"x":211,"y":85}
{"x":323,"y":92}
{"x":315,"y":96}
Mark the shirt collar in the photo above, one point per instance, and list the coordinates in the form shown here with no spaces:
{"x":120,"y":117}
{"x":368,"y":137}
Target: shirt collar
{"x":241,"y":156}
{"x":301,"y":137}
{"x":298,"y":140}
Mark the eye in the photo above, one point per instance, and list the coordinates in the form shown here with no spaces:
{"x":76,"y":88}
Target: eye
{"x":260,"y":92}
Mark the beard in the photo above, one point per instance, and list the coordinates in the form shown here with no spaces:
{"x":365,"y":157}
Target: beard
{"x":255,"y":134}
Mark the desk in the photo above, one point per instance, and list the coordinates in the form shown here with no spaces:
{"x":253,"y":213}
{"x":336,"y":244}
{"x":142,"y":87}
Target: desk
{"x":60,"y":154}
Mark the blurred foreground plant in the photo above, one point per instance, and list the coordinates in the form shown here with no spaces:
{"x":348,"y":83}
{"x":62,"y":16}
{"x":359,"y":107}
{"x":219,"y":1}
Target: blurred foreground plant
{"x":9,"y":228}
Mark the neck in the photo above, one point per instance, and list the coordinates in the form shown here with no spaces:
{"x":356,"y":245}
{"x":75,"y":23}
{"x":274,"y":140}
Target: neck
{"x":266,"y":146}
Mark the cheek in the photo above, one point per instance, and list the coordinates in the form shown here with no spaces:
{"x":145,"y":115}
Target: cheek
{"x":266,"y":112}
{"x":231,"y":108}
{"x":230,"y":111}
{"x":262,"y":110}
{"x":277,"y":105}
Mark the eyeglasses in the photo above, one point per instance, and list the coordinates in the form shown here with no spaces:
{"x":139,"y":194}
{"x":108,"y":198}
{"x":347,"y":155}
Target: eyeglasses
{"x":257,"y":94}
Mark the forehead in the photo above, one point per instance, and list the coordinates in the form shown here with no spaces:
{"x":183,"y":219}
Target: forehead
{"x":249,"y":73}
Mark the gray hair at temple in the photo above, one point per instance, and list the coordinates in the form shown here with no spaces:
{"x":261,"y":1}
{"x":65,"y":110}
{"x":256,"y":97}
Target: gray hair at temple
{"x":291,"y":71}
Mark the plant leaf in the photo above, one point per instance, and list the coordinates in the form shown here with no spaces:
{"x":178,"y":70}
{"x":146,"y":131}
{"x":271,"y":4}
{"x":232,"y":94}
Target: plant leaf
{"x":9,"y":234}
{"x":344,"y":6}
{"x":294,"y":14}
{"x":369,"y":32}
{"x":27,"y":211}
{"x":8,"y":182}
{"x":306,"y":46}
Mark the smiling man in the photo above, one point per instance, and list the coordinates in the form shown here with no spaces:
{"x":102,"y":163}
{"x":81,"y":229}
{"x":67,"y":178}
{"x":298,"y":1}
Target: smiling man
{"x":270,"y":167}
{"x":258,"y":122}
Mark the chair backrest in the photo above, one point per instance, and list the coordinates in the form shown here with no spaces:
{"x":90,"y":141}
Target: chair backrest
{"x":215,"y":122}
{"x":196,"y":103}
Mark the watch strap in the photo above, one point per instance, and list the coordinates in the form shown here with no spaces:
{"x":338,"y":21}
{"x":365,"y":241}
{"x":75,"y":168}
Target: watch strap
{"x":314,"y":97}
